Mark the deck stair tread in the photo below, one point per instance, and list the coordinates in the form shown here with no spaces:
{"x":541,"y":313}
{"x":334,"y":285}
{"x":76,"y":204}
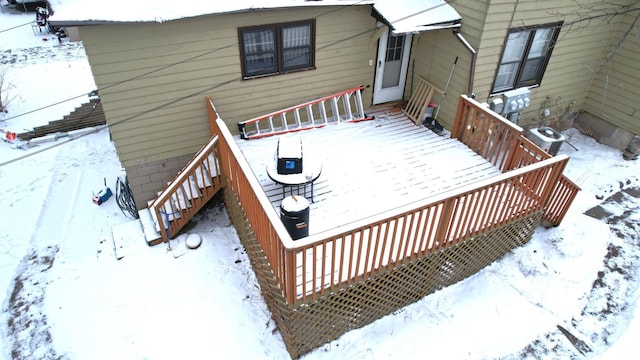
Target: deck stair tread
{"x":149,"y":227}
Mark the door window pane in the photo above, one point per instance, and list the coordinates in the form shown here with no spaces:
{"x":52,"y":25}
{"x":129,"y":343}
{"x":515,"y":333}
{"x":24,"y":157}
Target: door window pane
{"x":395,"y":48}
{"x":393,"y":61}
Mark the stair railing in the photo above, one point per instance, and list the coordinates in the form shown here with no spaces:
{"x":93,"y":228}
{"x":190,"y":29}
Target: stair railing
{"x":192,"y":188}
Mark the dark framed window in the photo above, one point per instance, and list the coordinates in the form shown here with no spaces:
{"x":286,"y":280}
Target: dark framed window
{"x":525,"y":57}
{"x":277,"y":48}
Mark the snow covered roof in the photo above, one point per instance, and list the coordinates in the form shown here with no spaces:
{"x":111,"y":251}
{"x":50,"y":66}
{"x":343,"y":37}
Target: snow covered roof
{"x":97,"y":11}
{"x":404,"y":16}
{"x":413,"y":16}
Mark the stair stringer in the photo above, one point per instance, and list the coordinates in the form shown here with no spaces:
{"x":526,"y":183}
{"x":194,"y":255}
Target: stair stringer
{"x":191,"y":189}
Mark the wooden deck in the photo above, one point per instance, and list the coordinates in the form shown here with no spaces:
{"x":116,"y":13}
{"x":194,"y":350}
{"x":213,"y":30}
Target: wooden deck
{"x":372,"y":166}
{"x":398,"y":214}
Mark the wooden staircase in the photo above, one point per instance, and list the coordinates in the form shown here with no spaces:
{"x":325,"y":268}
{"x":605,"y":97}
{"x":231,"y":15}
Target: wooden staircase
{"x":183,"y":197}
{"x":340,"y":107}
{"x":87,"y":115}
{"x":202,"y":178}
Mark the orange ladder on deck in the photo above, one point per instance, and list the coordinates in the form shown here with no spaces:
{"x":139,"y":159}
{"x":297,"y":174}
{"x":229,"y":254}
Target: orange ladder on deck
{"x":343,"y":106}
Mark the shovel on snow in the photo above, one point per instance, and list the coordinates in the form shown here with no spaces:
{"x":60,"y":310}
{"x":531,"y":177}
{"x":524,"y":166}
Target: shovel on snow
{"x":431,"y":122}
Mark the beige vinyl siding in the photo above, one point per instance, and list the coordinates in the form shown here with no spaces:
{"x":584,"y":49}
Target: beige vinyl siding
{"x":568,"y":77}
{"x":433,"y":58}
{"x":569,"y":73}
{"x":434,"y":52}
{"x":616,"y":89}
{"x":570,"y":70}
{"x":161,"y":113}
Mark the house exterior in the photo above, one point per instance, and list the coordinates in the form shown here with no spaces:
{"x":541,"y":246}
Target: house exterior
{"x":591,"y":72}
{"x":152,"y":76}
{"x":154,"y":70}
{"x":153,"y":66}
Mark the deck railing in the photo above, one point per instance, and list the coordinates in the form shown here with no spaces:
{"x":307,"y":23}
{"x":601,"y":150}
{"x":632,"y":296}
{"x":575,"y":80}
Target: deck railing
{"x":563,"y":195}
{"x":329,"y":260}
{"x":268,"y":229}
{"x":486,"y":133}
{"x":503,"y":143}
{"x":312,"y":266}
{"x":192,"y":188}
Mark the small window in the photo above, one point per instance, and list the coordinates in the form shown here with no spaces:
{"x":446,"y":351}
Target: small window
{"x":277,"y":49}
{"x":525,"y":57}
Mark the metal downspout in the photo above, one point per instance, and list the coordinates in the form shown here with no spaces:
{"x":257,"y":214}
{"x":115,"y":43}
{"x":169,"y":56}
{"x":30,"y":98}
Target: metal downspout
{"x":472,"y":68}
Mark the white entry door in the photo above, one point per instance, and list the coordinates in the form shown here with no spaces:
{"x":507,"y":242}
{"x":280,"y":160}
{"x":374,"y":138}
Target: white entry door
{"x":391,"y":71}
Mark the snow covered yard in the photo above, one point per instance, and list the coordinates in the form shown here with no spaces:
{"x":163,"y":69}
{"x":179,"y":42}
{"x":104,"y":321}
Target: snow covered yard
{"x":572,"y":289}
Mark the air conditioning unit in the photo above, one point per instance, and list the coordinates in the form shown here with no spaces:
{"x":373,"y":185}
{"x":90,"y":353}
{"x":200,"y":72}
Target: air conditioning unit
{"x":546,"y":138}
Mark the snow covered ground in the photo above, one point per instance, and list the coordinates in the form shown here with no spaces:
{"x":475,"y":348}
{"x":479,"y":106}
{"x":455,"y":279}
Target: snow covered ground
{"x":573,"y":289}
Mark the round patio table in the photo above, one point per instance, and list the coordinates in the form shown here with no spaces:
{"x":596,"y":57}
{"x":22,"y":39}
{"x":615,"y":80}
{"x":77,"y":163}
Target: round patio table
{"x":311,"y":171}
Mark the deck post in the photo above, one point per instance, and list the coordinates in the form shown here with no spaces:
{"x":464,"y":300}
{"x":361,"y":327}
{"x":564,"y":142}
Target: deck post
{"x":290,"y":276}
{"x":442,"y":232}
{"x":213,"y":116}
{"x":459,"y":120}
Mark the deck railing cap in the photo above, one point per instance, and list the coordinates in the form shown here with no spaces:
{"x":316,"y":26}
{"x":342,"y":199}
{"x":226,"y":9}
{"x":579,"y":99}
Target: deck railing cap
{"x":342,"y":229}
{"x":278,"y":226}
{"x":508,"y":123}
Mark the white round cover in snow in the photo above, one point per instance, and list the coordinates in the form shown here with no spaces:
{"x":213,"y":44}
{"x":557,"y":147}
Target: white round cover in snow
{"x":193,"y":241}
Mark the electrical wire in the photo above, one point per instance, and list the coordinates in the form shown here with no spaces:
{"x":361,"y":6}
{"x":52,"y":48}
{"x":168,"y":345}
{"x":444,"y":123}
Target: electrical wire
{"x":50,"y":105}
{"x":95,"y":92}
{"x":124,"y":198}
{"x":200,"y":92}
{"x":15,"y":27}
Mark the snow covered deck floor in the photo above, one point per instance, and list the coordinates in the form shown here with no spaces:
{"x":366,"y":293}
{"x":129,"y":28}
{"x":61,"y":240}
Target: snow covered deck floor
{"x":371,"y":166}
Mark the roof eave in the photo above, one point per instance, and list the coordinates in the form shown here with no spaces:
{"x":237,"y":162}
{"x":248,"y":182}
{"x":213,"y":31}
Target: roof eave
{"x":399,"y":26}
{"x":87,"y":22}
{"x":425,"y":28}
{"x":71,"y":23}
